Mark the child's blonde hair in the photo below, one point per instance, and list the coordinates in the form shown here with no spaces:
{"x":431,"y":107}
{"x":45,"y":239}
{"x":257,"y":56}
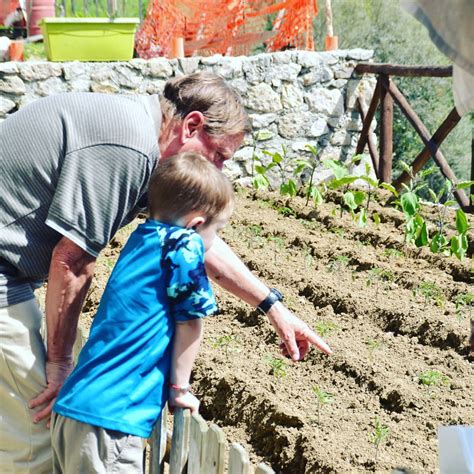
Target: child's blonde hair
{"x":185,"y":183}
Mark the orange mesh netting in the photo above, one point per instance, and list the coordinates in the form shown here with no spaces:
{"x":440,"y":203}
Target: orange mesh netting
{"x":229,"y":27}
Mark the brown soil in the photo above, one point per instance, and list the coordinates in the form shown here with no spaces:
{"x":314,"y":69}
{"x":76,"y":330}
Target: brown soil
{"x":362,"y":288}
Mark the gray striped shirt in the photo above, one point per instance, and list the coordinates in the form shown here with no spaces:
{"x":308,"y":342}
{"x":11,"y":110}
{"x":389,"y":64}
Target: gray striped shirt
{"x":74,"y":165}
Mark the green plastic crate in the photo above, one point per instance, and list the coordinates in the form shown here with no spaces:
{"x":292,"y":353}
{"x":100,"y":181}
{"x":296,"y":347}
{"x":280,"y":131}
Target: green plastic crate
{"x":89,"y":39}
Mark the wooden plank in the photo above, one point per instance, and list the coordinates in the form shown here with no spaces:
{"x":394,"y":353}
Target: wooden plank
{"x":422,"y":131}
{"x":238,"y":460}
{"x":400,"y":70}
{"x":158,"y":443}
{"x":374,"y":154}
{"x":369,"y":116}
{"x":197,"y":444}
{"x":384,"y":171}
{"x":264,"y":469}
{"x":433,"y":144}
{"x":180,"y":441}
{"x":215,"y":451}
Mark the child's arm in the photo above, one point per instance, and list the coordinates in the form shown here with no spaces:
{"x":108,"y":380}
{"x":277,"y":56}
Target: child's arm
{"x":185,"y":348}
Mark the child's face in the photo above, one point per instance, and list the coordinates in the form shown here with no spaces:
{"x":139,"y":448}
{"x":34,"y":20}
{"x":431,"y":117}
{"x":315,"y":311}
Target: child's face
{"x":208,"y":232}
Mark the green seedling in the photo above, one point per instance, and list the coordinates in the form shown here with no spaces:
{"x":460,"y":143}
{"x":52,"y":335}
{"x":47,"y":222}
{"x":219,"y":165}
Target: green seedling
{"x":324,"y":328}
{"x":393,"y":253}
{"x":373,"y":345}
{"x":286,"y":211}
{"x":338,"y":231}
{"x":337,"y":263}
{"x":312,"y":191}
{"x":430,"y":291}
{"x":308,"y":257}
{"x":277,"y":365}
{"x":378,"y":275}
{"x":433,"y":378}
{"x":278,"y":245}
{"x":226,"y":342}
{"x":322,"y":398}
{"x":463,"y":300}
{"x":378,"y":436}
{"x":288,"y":186}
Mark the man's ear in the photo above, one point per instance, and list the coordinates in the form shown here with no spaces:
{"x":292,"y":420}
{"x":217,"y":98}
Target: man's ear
{"x":192,"y":124}
{"x":195,"y":221}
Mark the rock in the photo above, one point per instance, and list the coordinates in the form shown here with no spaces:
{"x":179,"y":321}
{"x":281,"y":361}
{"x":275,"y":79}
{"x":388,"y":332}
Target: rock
{"x":360,"y":54}
{"x":229,"y":68}
{"x":211,"y":60}
{"x":261,"y":120}
{"x":75,"y":70}
{"x":291,"y":97}
{"x":9,"y":67}
{"x":292,"y":125}
{"x":125,"y":77}
{"x":51,"y":86}
{"x":263,"y":98}
{"x":326,"y":101}
{"x":5,"y":106}
{"x":105,"y":87}
{"x":318,"y":127}
{"x":284,"y":72}
{"x":362,"y":89}
{"x":12,"y":85}
{"x":80,"y":85}
{"x":189,"y":65}
{"x":320,"y":74}
{"x":264,"y":135}
{"x":159,"y":67}
{"x":37,"y":71}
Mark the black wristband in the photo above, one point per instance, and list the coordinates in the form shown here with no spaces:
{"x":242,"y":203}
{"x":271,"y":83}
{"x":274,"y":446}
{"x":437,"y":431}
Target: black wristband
{"x":269,"y":301}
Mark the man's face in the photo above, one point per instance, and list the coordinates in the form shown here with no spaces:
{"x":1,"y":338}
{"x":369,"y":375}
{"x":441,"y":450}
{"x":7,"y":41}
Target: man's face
{"x":216,"y":149}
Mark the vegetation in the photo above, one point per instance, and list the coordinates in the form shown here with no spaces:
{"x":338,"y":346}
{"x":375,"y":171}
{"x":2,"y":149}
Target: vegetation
{"x":433,"y":378}
{"x":277,"y":365}
{"x":322,"y":398}
{"x":378,"y":436}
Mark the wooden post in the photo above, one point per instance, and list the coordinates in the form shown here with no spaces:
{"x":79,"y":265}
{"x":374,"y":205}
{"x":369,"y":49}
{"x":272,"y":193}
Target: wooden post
{"x":432,"y":147}
{"x":331,"y":41}
{"x":158,"y":443}
{"x":374,"y":154}
{"x":215,"y":451}
{"x":180,"y":441}
{"x":238,"y":460}
{"x":425,"y":136}
{"x":384,"y":173}
{"x":197,"y":444}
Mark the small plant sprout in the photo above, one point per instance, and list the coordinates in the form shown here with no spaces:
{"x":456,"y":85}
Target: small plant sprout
{"x":278,"y":245}
{"x":433,"y":378}
{"x":308,"y":257}
{"x":322,"y":398}
{"x":337,"y":263}
{"x":227,"y":342}
{"x":324,"y":328}
{"x":430,"y":291}
{"x":463,"y":301}
{"x":277,"y":365}
{"x":393,"y":253}
{"x":379,"y":275}
{"x":378,"y":436}
{"x":373,"y":345}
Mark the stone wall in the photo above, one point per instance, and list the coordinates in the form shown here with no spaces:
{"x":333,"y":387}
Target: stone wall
{"x":293,"y":98}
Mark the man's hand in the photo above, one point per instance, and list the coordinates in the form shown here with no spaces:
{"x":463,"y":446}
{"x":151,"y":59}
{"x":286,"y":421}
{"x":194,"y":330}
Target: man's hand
{"x":183,"y":400}
{"x":56,"y":373}
{"x":296,"y":335}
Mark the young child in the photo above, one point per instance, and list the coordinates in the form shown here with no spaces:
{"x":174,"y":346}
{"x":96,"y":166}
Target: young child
{"x":147,"y":329}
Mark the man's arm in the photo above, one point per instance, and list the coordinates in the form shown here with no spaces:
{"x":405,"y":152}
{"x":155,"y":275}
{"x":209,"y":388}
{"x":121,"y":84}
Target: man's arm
{"x":229,"y":272}
{"x":70,"y":275}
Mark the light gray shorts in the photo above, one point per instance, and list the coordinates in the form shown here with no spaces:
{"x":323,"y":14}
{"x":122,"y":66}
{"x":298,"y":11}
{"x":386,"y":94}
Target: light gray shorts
{"x":82,"y":448}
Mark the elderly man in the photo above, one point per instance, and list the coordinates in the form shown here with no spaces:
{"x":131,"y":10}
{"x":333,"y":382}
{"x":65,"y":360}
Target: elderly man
{"x":74,"y":168}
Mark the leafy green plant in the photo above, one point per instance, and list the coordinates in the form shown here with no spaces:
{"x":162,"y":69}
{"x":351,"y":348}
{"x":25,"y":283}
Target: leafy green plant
{"x":287,"y":185}
{"x":285,"y":211}
{"x":378,"y":436}
{"x":228,"y":342}
{"x":277,"y":365}
{"x":433,"y":378}
{"x":322,"y":398}
{"x":324,"y":328}
{"x":311,"y":191}
{"x":430,"y":291}
{"x":337,"y":262}
{"x":463,"y":300}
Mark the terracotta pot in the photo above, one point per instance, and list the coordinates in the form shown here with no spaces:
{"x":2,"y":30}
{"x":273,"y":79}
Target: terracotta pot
{"x":331,"y":42}
{"x":16,"y":51}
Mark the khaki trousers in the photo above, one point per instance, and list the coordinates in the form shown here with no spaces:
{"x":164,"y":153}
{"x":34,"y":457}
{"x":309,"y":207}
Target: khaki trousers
{"x":25,"y":447}
{"x":80,"y":448}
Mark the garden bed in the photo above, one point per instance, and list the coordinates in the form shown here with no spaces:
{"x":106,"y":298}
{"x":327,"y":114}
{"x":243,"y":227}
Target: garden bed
{"x":393,"y":315}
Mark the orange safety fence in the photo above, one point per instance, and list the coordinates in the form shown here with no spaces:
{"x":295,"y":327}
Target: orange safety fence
{"x":7,"y":7}
{"x":228,"y":27}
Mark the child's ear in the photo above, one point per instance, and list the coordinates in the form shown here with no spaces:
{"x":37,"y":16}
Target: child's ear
{"x":195,"y":221}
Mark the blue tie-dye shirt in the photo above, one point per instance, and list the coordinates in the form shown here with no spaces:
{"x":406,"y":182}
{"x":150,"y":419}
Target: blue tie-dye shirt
{"x":120,"y":381}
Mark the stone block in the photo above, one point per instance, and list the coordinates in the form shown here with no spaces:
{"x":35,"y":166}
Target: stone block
{"x":292,"y":125}
{"x":12,"y":85}
{"x":283,"y":72}
{"x":189,"y":65}
{"x":5,"y":106}
{"x":291,"y":97}
{"x":38,"y":71}
{"x":159,"y":67}
{"x":229,"y":67}
{"x":261,"y":120}
{"x":318,"y":127}
{"x":263,"y":98}
{"x":76,"y":69}
{"x":9,"y":67}
{"x":326,"y":101}
{"x":51,"y":86}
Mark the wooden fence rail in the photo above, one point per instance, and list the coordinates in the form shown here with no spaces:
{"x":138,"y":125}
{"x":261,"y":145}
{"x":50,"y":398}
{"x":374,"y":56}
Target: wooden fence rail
{"x":386,"y":93}
{"x":196,"y":448}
